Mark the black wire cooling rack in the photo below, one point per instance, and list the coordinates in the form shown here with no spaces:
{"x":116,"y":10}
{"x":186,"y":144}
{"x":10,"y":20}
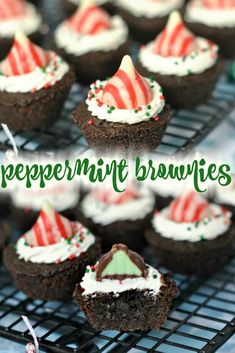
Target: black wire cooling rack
{"x":201,"y":320}
{"x":187,"y":127}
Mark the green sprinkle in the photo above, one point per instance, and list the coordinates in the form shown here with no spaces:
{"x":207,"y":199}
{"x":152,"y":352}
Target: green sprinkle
{"x":189,"y":228}
{"x":109,"y":111}
{"x":87,"y":271}
{"x":154,"y":276}
{"x":147,"y":114}
{"x":80,"y":241}
{"x":196,"y":224}
{"x":202,"y":237}
{"x":135,"y":111}
{"x":93,"y":96}
{"x":176,"y":63}
{"x":189,"y":72}
{"x":184,"y":58}
{"x":26,"y":244}
{"x":15,"y":247}
{"x":1,"y":73}
{"x":112,"y":108}
{"x":149,"y":106}
{"x":68,"y":241}
{"x":161,"y":90}
{"x":152,"y":86}
{"x":101,"y":86}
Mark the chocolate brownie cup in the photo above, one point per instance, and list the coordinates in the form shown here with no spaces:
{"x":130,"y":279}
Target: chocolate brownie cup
{"x":146,"y":18}
{"x":48,"y":260}
{"x":33,"y":85}
{"x":225,"y":196}
{"x":18,"y":15}
{"x":118,"y":217}
{"x":122,"y":293}
{"x":127,"y":112}
{"x":215,"y":20}
{"x":192,"y":236}
{"x":181,"y":63}
{"x":71,"y":6}
{"x":26,"y":203}
{"x":92,"y":42}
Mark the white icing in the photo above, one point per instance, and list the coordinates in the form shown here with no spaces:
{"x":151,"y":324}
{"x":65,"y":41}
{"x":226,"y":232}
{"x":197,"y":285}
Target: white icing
{"x":37,"y":79}
{"x":194,"y":63}
{"x":98,"y":2}
{"x":150,"y":8}
{"x":29,"y":23}
{"x":104,"y":214}
{"x":58,"y":252}
{"x":225,"y":195}
{"x":62,"y":196}
{"x":79,"y":44}
{"x":221,"y":18}
{"x":91,"y":286}
{"x":126,"y":115}
{"x":209,"y":228}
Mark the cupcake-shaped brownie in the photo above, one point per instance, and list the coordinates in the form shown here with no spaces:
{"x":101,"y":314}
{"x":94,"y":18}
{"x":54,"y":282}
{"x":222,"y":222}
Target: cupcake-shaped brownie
{"x":146,"y":18}
{"x":225,"y":196}
{"x":71,"y":6}
{"x":122,"y":293}
{"x":17,"y":15}
{"x":34,"y":84}
{"x":186,"y":66}
{"x":126,"y":112}
{"x":191,"y":235}
{"x":64,"y":196}
{"x":214,"y":19}
{"x":93,"y":42}
{"x":48,"y":260}
{"x":118,"y":217}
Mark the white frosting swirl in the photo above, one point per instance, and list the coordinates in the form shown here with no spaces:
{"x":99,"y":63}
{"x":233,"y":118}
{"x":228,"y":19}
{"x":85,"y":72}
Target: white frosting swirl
{"x":220,"y":18}
{"x":29,"y":23}
{"x":194,"y":63}
{"x":36,"y":80}
{"x":58,"y":252}
{"x":150,"y":8}
{"x":79,"y":44}
{"x":225,"y":195}
{"x":152,"y":282}
{"x":209,"y":228}
{"x":128,"y":116}
{"x":103,"y":213}
{"x":62,"y":196}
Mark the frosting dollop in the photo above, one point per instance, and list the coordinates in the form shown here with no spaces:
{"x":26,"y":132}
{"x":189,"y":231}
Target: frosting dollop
{"x":106,"y":206}
{"x":18,"y":15}
{"x":126,"y":97}
{"x":220,"y":14}
{"x":53,"y":239}
{"x":176,"y":51}
{"x":150,"y":8}
{"x":28,"y":67}
{"x":191,"y":218}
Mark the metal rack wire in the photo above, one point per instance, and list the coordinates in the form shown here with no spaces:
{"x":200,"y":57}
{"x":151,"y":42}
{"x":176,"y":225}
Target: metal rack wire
{"x":200,"y":321}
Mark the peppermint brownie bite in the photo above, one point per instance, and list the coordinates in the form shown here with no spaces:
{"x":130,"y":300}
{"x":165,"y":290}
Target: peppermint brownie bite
{"x":71,"y":6}
{"x":18,"y":15}
{"x":127,"y":112}
{"x":122,"y":293}
{"x":215,"y":20}
{"x":93,"y":42}
{"x":191,"y":235}
{"x":186,"y":66}
{"x":49,"y":259}
{"x":34,"y":84}
{"x":146,"y":18}
{"x":118,"y":217}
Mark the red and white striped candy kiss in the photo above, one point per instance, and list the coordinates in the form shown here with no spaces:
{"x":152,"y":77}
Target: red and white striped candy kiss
{"x":219,"y":4}
{"x":12,"y":8}
{"x":175,"y":39}
{"x":24,"y":57}
{"x":50,"y":227}
{"x":127,"y":89}
{"x":109,"y":196}
{"x":89,"y":19}
{"x":189,"y":207}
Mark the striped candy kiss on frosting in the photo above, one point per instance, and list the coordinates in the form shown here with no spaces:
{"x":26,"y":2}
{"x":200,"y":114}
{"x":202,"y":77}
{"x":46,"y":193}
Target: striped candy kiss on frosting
{"x":219,"y":4}
{"x":111,"y":197}
{"x":24,"y":57}
{"x":127,"y":89}
{"x":50,"y":228}
{"x":12,"y":8}
{"x":89,"y":19}
{"x":175,"y":39}
{"x":189,"y":207}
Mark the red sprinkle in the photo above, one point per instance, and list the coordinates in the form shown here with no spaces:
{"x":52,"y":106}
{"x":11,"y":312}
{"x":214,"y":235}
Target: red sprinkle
{"x":72,"y":257}
{"x":157,"y":118}
{"x":47,"y":85}
{"x":139,"y":109}
{"x":58,"y":261}
{"x":162,"y":97}
{"x":90,"y":122}
{"x":100,"y":104}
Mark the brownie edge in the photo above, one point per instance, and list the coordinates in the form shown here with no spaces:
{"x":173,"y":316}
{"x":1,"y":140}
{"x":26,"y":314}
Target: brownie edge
{"x":129,"y":310}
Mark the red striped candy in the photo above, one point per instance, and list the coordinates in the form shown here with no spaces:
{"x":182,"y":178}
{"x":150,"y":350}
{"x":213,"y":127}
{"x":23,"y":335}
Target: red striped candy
{"x":175,"y":39}
{"x":189,"y":207}
{"x":24,"y":57}
{"x":219,"y":4}
{"x":111,"y":197}
{"x":12,"y":8}
{"x":50,"y":228}
{"x":127,"y":89}
{"x":89,"y":20}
